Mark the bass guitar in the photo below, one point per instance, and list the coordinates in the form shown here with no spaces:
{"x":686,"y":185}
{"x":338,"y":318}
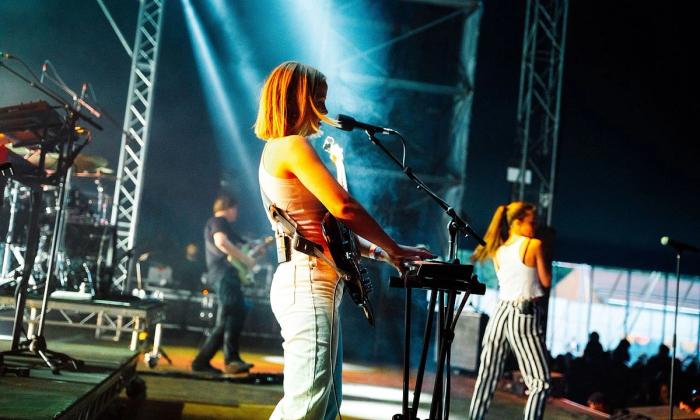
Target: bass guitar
{"x":343,"y":245}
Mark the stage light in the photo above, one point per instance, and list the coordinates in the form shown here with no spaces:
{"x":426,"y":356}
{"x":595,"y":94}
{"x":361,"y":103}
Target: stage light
{"x":383,"y":402}
{"x":232,"y":149}
{"x":313,"y":17}
{"x":238,"y":48}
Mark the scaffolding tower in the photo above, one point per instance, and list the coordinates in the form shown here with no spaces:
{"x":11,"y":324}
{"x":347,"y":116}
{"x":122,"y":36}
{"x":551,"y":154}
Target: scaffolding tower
{"x":134,"y":142}
{"x":539,"y":102}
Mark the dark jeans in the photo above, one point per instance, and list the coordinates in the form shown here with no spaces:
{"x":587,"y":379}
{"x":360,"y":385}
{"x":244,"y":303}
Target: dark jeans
{"x":229,"y":322}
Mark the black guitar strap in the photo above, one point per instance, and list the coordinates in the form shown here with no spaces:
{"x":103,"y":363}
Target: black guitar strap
{"x":288,"y":237}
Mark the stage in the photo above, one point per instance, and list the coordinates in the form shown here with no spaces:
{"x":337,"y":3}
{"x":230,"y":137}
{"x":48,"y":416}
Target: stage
{"x":369,"y":391}
{"x":174,"y":392}
{"x":107,"y":370}
{"x":99,"y":390}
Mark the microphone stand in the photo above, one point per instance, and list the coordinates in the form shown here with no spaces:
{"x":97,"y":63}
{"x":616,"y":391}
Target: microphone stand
{"x":679,"y":251}
{"x":440,"y":405}
{"x":46,"y":91}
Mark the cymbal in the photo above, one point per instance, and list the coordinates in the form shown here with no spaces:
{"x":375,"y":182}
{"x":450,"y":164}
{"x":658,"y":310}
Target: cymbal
{"x":89,"y":163}
{"x":104,"y":173}
{"x":82,"y":163}
{"x":21,"y":136}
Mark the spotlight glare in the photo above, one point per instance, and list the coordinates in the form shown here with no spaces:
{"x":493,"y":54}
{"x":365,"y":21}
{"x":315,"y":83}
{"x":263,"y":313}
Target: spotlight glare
{"x":220,"y":108}
{"x":238,"y":48}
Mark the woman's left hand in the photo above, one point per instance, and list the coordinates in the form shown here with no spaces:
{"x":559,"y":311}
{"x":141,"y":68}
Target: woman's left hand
{"x":404,"y":254}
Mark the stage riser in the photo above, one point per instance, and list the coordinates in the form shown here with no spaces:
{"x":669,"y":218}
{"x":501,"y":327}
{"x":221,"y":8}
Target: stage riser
{"x":82,"y":394}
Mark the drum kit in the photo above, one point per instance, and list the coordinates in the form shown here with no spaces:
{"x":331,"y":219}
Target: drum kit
{"x":85,"y":237}
{"x":53,"y":138}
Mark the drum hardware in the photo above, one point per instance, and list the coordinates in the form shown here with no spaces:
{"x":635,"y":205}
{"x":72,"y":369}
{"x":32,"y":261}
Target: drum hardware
{"x":88,"y":203}
{"x":58,"y":132}
{"x":9,"y":247}
{"x":14,"y":245}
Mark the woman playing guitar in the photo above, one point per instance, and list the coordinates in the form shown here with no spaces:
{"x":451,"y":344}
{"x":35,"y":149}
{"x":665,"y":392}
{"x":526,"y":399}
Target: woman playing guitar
{"x":306,"y":291}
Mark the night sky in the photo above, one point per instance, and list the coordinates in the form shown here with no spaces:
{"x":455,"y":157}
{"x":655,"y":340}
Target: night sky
{"x":628,"y":141}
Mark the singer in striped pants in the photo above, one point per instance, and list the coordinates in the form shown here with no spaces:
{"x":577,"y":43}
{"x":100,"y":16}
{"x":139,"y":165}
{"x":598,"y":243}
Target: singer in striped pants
{"x":523,"y":273}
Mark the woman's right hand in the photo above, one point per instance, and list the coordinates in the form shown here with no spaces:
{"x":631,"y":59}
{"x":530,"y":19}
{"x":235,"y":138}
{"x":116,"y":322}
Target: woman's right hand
{"x":402,"y":254}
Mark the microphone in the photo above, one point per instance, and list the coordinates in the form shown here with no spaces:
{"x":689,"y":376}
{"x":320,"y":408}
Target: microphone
{"x":348,"y":123}
{"x":678,"y":245}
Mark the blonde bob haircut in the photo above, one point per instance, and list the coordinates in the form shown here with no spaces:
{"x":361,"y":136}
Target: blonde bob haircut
{"x":499,"y":228}
{"x":287,"y":102}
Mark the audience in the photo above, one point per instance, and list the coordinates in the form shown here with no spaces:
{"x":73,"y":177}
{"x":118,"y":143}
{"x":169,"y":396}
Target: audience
{"x":606,"y":382}
{"x":692,"y":404}
{"x":598,"y":402}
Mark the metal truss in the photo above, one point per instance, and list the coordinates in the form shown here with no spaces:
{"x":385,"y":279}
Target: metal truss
{"x":134,"y":142}
{"x":539,"y":101}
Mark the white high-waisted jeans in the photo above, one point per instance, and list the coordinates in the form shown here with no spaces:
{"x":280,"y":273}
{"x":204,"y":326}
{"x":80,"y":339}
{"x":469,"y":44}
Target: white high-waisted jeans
{"x":305,"y":296}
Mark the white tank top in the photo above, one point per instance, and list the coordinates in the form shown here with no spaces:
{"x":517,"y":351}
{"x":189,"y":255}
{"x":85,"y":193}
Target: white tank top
{"x":290,"y":195}
{"x":516,"y":281}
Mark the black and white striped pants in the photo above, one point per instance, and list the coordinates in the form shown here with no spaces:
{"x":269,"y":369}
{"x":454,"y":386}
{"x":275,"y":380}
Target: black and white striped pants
{"x":510,"y":328}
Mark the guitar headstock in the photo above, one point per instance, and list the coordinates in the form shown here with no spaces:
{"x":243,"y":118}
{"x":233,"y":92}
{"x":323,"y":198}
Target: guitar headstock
{"x":334,"y":150}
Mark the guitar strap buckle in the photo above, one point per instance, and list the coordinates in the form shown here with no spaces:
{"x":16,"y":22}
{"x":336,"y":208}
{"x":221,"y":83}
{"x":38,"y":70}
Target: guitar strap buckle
{"x":288,"y":238}
{"x":284,"y":251}
{"x":305,"y":246}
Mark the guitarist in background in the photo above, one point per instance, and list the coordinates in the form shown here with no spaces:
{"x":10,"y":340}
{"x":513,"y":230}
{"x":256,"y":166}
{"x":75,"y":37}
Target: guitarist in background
{"x":306,"y":291}
{"x":221,"y":242}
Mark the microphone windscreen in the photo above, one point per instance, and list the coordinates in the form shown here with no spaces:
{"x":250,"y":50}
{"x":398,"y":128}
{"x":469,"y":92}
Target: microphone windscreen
{"x":347,"y":122}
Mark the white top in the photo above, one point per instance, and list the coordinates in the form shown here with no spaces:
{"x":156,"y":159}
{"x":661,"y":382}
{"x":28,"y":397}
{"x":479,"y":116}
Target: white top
{"x":516,"y":281}
{"x":290,"y":195}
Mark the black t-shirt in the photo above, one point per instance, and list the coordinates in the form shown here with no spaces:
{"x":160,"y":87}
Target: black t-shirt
{"x":217,"y":264}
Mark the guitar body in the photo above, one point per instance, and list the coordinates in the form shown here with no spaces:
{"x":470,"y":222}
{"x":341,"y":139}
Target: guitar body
{"x":245,"y":274}
{"x":344,"y":248}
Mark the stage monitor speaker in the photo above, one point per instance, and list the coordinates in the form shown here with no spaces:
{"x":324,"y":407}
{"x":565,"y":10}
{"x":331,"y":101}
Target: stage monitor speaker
{"x":466,"y":347}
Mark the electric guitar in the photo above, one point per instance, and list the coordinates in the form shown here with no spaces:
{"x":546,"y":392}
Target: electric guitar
{"x":252,"y":249}
{"x":343,"y":245}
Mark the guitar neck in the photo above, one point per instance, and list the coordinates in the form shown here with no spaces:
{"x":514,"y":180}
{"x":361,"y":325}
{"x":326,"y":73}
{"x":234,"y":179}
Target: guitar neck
{"x":336,"y":154}
{"x":340,"y":173}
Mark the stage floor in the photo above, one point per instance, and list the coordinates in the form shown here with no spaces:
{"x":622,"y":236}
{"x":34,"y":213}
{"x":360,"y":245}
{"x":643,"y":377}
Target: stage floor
{"x":174,"y":392}
{"x":369,"y":392}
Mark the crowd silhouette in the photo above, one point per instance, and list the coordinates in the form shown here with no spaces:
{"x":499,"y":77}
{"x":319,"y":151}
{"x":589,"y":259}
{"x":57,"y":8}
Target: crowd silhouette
{"x":607,"y":381}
